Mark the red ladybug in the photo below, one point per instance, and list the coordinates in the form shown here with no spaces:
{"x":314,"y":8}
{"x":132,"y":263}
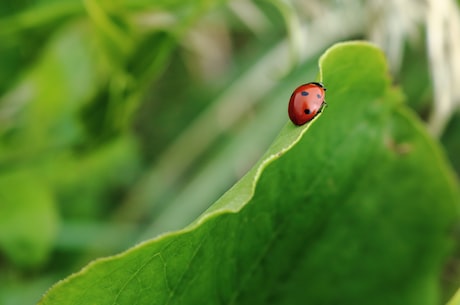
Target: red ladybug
{"x":306,"y":102}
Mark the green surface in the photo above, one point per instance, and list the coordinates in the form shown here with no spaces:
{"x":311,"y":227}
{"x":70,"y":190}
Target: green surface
{"x":355,"y":208}
{"x":28,"y":218}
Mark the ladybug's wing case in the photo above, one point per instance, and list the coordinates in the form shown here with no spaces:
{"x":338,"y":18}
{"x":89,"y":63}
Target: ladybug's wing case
{"x":306,"y":102}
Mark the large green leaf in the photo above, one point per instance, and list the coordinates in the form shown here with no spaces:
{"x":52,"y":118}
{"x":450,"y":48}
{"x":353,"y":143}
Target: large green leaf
{"x":455,"y":299}
{"x":353,"y":208}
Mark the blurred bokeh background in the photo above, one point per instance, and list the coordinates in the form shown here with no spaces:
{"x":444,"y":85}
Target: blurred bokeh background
{"x":120,"y":120}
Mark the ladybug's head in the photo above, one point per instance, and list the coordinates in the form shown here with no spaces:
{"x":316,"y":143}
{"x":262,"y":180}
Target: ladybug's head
{"x":319,"y":85}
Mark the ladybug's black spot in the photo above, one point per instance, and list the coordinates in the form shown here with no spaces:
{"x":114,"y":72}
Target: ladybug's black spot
{"x":304,"y":93}
{"x":307,"y":111}
{"x":318,"y":95}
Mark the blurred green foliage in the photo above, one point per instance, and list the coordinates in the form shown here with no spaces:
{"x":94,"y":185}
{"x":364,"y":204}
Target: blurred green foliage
{"x":114,"y":112}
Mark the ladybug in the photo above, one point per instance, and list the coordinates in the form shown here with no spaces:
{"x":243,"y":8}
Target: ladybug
{"x":306,"y":102}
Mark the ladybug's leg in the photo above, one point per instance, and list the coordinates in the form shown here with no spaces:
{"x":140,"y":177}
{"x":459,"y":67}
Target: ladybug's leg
{"x":322,"y":106}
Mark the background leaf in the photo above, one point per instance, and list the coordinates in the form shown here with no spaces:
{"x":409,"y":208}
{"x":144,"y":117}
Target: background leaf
{"x":28,"y":221}
{"x":356,"y":207}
